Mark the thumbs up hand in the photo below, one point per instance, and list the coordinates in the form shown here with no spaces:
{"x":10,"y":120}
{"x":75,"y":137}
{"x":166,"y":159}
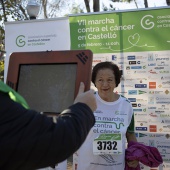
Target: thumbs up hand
{"x":87,"y":97}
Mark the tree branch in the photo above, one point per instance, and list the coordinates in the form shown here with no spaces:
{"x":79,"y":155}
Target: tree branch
{"x":87,"y":5}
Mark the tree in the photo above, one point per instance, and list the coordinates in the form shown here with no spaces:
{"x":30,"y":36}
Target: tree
{"x":9,"y":10}
{"x":2,"y":69}
{"x":12,"y":10}
{"x":96,"y":5}
{"x":3,"y":9}
{"x":168,"y":2}
{"x":87,"y":5}
{"x":146,"y":3}
{"x":2,"y":52}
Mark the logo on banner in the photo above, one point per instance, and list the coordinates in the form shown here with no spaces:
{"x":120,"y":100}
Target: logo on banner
{"x":152,"y":143}
{"x":141,"y":92}
{"x":140,"y":85}
{"x":141,"y":128}
{"x":132,"y":99}
{"x":20,"y":41}
{"x":131,"y":57}
{"x":152,"y":64}
{"x":142,"y":135}
{"x":114,"y":57}
{"x":150,"y":57}
{"x":136,"y":67}
{"x":152,"y":72}
{"x":152,"y":128}
{"x":134,"y":104}
{"x":137,"y":110}
{"x":152,"y":85}
{"x":166,"y":91}
{"x":132,"y":92}
{"x":132,"y":62}
{"x":146,"y":23}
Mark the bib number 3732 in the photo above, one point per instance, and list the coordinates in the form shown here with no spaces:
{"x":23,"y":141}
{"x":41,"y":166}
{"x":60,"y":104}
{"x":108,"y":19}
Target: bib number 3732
{"x":107,"y":144}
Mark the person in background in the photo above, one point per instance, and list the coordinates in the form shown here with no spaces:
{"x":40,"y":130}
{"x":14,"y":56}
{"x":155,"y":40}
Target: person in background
{"x":104,"y":147}
{"x":30,"y":140}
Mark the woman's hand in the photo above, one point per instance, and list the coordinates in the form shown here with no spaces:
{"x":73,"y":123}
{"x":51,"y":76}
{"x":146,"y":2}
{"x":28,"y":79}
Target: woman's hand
{"x":133,"y":163}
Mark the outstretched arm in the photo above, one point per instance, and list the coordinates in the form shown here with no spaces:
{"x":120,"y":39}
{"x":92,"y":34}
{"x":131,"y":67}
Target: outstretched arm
{"x":29,"y":140}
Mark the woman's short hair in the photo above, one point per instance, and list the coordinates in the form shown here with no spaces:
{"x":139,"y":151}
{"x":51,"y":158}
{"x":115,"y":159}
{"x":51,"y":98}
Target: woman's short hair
{"x":106,"y":65}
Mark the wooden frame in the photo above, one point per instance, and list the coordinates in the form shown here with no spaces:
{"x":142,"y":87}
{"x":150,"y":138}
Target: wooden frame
{"x":82,"y":59}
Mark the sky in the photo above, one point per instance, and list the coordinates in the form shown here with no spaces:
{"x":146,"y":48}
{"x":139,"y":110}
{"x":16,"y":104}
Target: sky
{"x":140,"y":3}
{"x":122,"y":6}
{"x":116,"y":5}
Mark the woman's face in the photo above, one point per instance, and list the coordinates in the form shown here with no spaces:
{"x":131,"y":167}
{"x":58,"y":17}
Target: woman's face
{"x":105,"y":83}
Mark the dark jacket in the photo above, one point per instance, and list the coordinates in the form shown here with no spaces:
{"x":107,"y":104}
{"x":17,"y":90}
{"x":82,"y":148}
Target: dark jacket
{"x":29,"y":140}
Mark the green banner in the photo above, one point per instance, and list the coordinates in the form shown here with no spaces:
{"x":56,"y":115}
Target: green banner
{"x":130,"y":31}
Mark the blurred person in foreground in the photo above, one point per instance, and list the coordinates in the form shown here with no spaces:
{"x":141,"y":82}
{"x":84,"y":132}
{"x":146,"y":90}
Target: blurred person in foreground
{"x":104,"y":147}
{"x":30,"y":140}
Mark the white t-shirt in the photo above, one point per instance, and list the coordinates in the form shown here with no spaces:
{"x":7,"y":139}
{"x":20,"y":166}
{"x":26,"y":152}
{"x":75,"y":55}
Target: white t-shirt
{"x":111,"y":117}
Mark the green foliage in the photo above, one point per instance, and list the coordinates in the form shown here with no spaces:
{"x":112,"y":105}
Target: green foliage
{"x":1,"y":70}
{"x":11,"y":11}
{"x":2,"y":32}
{"x":76,"y":9}
{"x":1,"y":66}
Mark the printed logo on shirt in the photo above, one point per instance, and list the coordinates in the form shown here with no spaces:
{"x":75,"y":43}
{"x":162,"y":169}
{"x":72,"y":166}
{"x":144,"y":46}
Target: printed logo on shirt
{"x":98,"y":111}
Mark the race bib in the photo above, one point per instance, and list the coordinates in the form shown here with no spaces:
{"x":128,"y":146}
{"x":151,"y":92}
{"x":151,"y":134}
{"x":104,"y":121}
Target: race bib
{"x":108,"y":144}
